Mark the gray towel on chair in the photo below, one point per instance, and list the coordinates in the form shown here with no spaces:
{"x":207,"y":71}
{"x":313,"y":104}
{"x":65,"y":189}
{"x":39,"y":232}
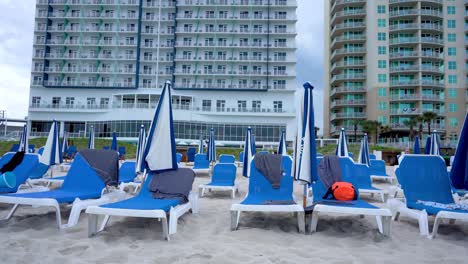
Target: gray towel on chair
{"x":173,"y":184}
{"x":329,"y":170}
{"x":269,"y":165}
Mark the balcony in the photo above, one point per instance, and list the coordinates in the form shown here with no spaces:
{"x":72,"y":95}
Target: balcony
{"x":351,"y":77}
{"x":432,"y":97}
{"x":348,"y":39}
{"x":405,"y":112}
{"x":409,"y":68}
{"x":433,"y":83}
{"x":432,"y":55}
{"x":431,"y":27}
{"x":403,"y":40}
{"x":346,"y":90}
{"x":343,"y":64}
{"x":409,"y":54}
{"x":404,"y":83}
{"x":405,"y":97}
{"x":344,"y":26}
{"x":348,"y":51}
{"x":402,"y":27}
{"x":430,"y":40}
{"x":348,"y":102}
{"x":337,"y":129}
{"x":342,"y":3}
{"x":432,"y":69}
{"x":401,"y":126}
{"x":348,"y":13}
{"x":405,"y":12}
{"x":336,"y":116}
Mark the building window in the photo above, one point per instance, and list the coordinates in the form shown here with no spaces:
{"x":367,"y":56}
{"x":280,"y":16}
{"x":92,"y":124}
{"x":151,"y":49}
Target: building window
{"x":278,"y":106}
{"x":453,"y":122}
{"x":452,"y":108}
{"x":382,"y":120}
{"x":220,"y":105}
{"x":382,"y":106}
{"x":381,"y":22}
{"x":256,"y":106}
{"x":452,"y":51}
{"x":451,"y":24}
{"x":452,"y":93}
{"x":36,"y":100}
{"x":55,"y":102}
{"x":382,"y":78}
{"x":452,"y":79}
{"x":451,"y":37}
{"x":69,"y":102}
{"x":381,"y":36}
{"x":451,"y":10}
{"x":206,"y":105}
{"x":241,"y":105}
{"x":382,"y":64}
{"x":91,"y":102}
{"x":452,"y":65}
{"x":381,"y":9}
{"x":382,"y":92}
{"x":104,"y":103}
{"x":382,"y":50}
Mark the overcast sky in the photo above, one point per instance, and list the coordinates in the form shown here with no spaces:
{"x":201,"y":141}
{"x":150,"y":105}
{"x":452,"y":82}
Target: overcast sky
{"x":16,"y":35}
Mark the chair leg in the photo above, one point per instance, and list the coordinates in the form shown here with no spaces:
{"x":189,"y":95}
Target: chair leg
{"x":424,"y":223}
{"x":92,"y":224}
{"x":105,"y":221}
{"x":165,"y":228}
{"x":233,"y":192}
{"x":313,"y":222}
{"x":234,"y":220}
{"x":378,"y":218}
{"x":436,"y":227}
{"x":10,"y":214}
{"x":386,"y":223}
{"x":301,"y":222}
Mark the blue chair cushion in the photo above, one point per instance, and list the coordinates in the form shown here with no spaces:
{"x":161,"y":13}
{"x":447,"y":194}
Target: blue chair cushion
{"x":430,"y":209}
{"x":62,"y":196}
{"x":143,"y":203}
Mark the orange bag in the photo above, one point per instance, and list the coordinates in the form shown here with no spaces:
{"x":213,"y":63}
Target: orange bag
{"x":341,"y":191}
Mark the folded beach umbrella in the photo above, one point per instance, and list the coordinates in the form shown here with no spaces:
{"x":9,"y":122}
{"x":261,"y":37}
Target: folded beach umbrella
{"x":160,"y":150}
{"x":52,"y":153}
{"x":248,"y":153}
{"x":211,"y":151}
{"x":114,"y":141}
{"x":364,"y":157}
{"x":254,"y":145}
{"x":435,"y":144}
{"x":417,"y":148}
{"x":459,"y":171}
{"x":140,"y":149}
{"x":91,"y":138}
{"x":305,"y":161}
{"x":64,"y":146}
{"x":23,"y":143}
{"x":282,"y":148}
{"x":342,"y":148}
{"x":200,"y":145}
{"x":427,"y":148}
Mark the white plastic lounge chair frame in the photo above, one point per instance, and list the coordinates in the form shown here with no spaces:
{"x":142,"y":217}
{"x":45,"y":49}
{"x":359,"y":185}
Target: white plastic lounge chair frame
{"x":381,"y":193}
{"x":382,"y":215}
{"x":95,"y":213}
{"x":390,"y":179}
{"x":298,"y":210}
{"x":77,"y":206}
{"x":234,"y":189}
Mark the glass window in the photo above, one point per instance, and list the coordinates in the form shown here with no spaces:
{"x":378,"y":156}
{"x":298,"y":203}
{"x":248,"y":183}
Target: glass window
{"x":453,"y":108}
{"x":452,"y":79}
{"x":382,"y":106}
{"x":382,"y":120}
{"x":453,"y":122}
{"x":451,"y":10}
{"x":452,"y":37}
{"x":382,"y":50}
{"x":452,"y":51}
{"x":381,"y":22}
{"x":382,"y":78}
{"x":451,"y":24}
{"x":381,"y":9}
{"x":382,"y":91}
{"x":382,"y":64}
{"x":452,"y":93}
{"x":381,"y":36}
{"x":452,"y":65}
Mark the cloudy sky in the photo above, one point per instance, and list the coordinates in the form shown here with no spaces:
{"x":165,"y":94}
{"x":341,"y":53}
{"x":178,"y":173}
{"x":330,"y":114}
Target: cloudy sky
{"x":16,"y":35}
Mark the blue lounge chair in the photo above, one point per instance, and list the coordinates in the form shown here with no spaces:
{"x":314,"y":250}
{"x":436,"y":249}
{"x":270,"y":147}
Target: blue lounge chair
{"x":356,"y":207}
{"x":14,"y":148}
{"x":144,"y":205}
{"x":71,"y":153}
{"x":377,"y":171}
{"x":263,"y":198}
{"x":106,"y":148}
{"x":127,"y":175}
{"x":372,"y":156}
{"x":425,"y":178}
{"x":359,"y":176}
{"x":351,"y":155}
{"x":223,"y":158}
{"x":22,"y":171}
{"x":81,"y":188}
{"x":201,"y":164}
{"x":179,"y":157}
{"x":223,"y":178}
{"x":122,"y":152}
{"x":263,"y":152}
{"x":38,"y":171}
{"x":241,"y":158}
{"x":191,"y":154}
{"x":40,"y":151}
{"x":31,"y":148}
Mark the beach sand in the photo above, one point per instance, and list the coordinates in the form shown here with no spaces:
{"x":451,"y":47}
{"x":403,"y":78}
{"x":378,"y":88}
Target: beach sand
{"x":32,"y":237}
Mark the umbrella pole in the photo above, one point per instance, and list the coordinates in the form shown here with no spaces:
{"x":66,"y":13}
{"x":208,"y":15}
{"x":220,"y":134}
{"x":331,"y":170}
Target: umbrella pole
{"x":304,"y":198}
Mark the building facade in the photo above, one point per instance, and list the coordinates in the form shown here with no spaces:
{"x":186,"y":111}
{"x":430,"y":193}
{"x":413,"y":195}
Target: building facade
{"x":104,"y":62}
{"x":391,"y":60}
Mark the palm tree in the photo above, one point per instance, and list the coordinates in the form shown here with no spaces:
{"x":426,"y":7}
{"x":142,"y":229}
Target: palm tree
{"x":420,"y":122}
{"x":356,"y":123}
{"x":428,"y":117}
{"x":385,"y":130}
{"x":372,"y":127}
{"x":411,"y":123}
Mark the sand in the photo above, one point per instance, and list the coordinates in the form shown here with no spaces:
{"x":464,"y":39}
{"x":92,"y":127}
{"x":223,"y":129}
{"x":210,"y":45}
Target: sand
{"x":32,"y":237}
